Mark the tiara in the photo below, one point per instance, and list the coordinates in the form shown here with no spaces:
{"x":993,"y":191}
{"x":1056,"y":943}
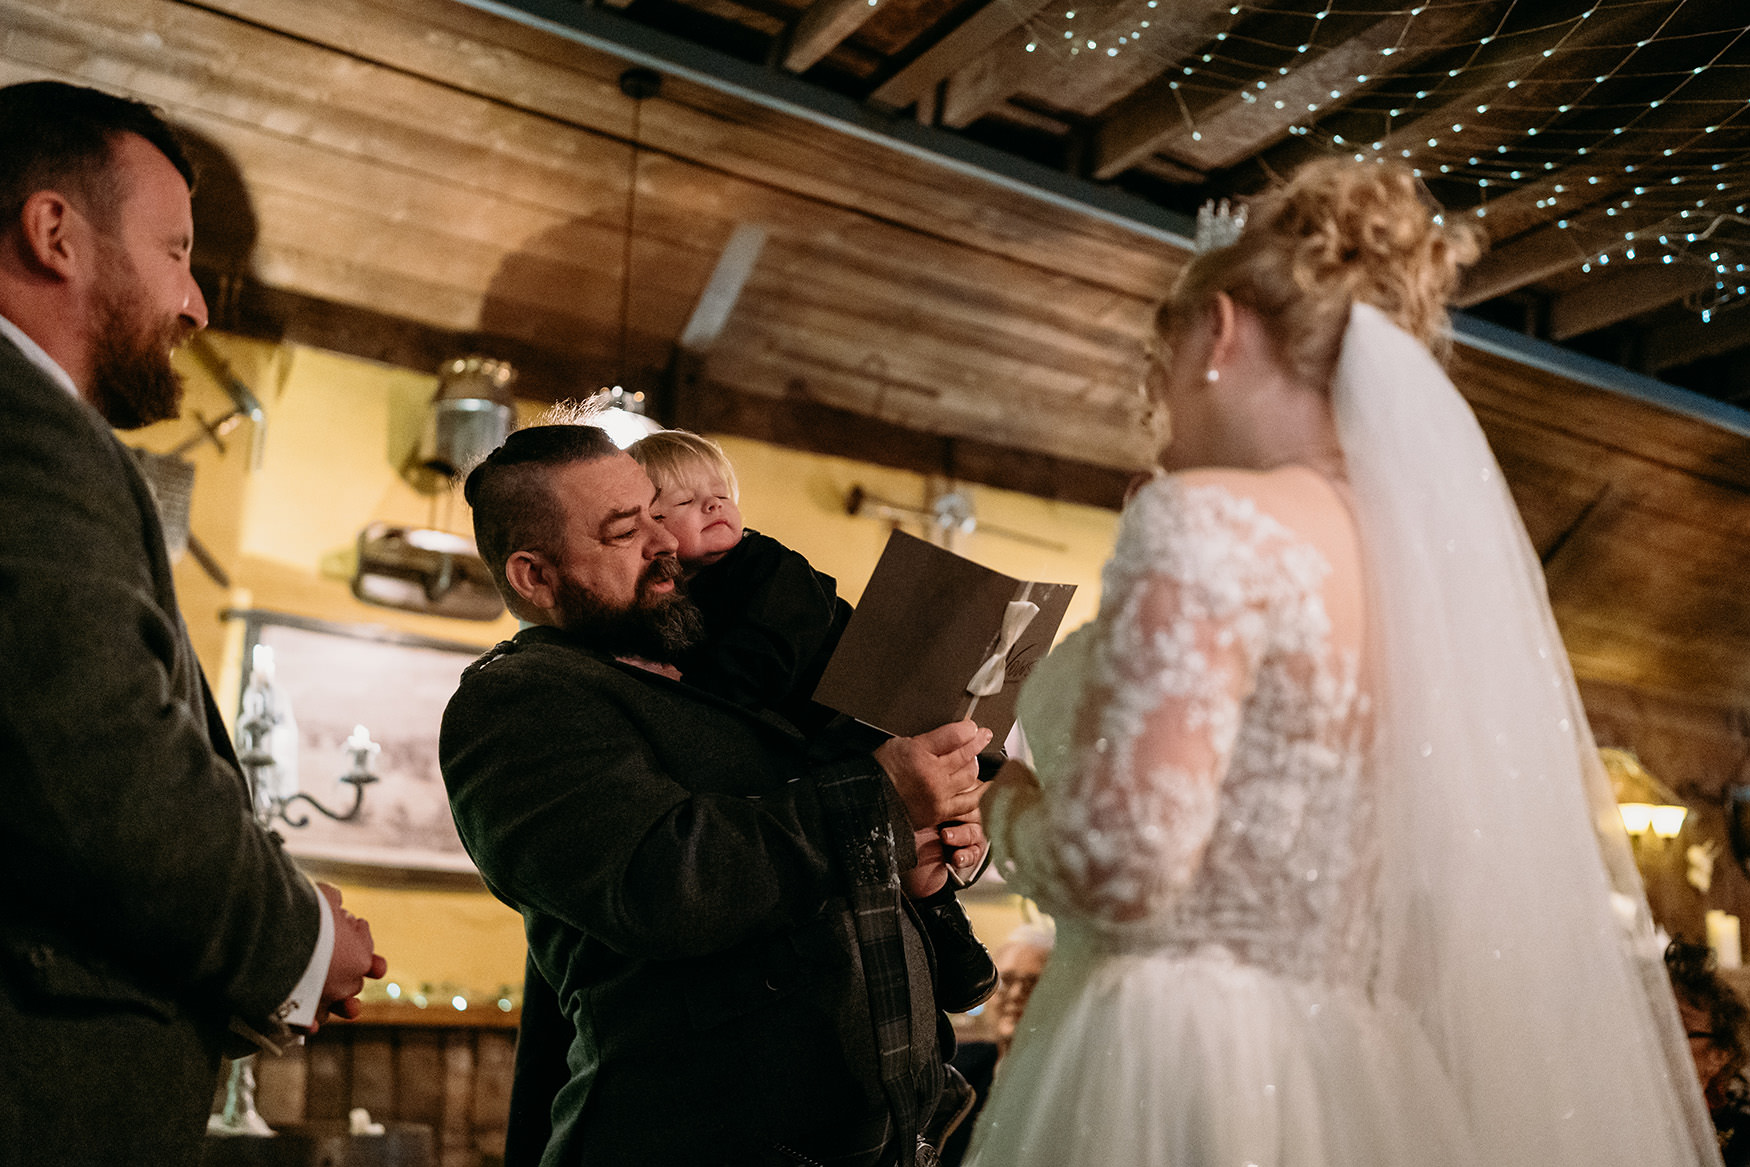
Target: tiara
{"x":1218,"y":226}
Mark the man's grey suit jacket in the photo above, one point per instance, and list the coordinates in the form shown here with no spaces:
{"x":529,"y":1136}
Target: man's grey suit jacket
{"x":143,"y":908}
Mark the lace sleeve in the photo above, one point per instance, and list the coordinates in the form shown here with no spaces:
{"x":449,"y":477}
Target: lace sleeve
{"x":1181,"y":629}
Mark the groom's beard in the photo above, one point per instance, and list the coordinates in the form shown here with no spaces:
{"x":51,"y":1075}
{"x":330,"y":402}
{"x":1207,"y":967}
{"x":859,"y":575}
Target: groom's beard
{"x":656,"y":627}
{"x":132,"y":381}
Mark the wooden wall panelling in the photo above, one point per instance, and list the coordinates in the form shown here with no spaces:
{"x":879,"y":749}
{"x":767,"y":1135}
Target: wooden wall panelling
{"x":427,"y":278}
{"x":429,"y":1068}
{"x":320,"y":129}
{"x":505,"y":60}
{"x":419,"y":1075}
{"x":1022,"y":312}
{"x":870,"y":178}
{"x":494,"y":1060}
{"x":907,"y":397}
{"x":893,"y":361}
{"x":1636,"y":586}
{"x":199,"y":60}
{"x":456,"y":1132}
{"x":1698,"y":748}
{"x":807,"y":425}
{"x":727,"y":134}
{"x":328,"y":1089}
{"x":892,"y":287}
{"x":1546,"y":401}
{"x":374,"y":1083}
{"x":1655,"y":511}
{"x":934,"y":350}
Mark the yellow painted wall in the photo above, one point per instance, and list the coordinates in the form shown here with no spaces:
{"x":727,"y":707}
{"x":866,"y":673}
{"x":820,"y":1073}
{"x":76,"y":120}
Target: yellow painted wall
{"x":280,"y":511}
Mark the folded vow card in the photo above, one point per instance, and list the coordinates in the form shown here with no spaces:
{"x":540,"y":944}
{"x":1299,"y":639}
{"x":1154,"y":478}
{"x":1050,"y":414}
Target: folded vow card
{"x":938,"y":638}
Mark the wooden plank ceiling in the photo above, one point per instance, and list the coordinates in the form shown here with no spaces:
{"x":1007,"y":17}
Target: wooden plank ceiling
{"x":964,"y":235}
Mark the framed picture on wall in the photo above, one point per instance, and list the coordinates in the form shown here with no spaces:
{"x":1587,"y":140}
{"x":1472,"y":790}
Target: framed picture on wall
{"x":336,"y":678}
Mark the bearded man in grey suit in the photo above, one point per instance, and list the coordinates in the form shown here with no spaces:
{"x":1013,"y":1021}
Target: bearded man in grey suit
{"x":149,"y":920}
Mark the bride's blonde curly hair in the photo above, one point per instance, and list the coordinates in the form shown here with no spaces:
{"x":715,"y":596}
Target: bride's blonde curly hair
{"x":1336,"y":232}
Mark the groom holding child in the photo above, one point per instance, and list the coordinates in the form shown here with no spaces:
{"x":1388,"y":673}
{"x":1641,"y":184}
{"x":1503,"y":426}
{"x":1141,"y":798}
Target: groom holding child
{"x":720,"y":902}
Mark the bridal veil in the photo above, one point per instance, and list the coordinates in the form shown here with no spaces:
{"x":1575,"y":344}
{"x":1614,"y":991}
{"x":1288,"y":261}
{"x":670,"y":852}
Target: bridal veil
{"x":1514,"y":924}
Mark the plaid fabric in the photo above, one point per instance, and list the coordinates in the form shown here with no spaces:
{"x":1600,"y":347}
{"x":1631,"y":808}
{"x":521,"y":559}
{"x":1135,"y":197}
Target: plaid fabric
{"x":855,"y":809}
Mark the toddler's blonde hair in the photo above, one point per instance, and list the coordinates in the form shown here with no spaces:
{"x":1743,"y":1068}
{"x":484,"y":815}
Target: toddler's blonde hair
{"x":673,"y":457}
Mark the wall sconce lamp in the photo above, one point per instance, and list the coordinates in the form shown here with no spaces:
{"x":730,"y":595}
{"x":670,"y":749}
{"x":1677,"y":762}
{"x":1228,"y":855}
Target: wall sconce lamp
{"x":468,"y":417}
{"x":267,"y":749}
{"x":1664,"y":821}
{"x":1645,"y":803}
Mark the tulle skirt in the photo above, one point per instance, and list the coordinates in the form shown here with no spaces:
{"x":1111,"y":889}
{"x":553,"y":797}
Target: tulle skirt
{"x":1147,"y":1060}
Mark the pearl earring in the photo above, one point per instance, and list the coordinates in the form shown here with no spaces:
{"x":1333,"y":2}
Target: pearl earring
{"x":1212,"y":375}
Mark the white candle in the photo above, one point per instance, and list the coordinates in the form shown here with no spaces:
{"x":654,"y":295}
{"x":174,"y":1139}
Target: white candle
{"x":1723,"y":938}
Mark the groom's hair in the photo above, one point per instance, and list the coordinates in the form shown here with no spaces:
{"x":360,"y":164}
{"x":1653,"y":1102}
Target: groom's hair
{"x":62,"y":137}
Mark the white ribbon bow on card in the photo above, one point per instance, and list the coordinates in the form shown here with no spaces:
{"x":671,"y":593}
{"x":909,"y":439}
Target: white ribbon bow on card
{"x":988,"y":680}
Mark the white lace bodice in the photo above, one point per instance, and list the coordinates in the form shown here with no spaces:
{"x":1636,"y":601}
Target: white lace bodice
{"x":1200,"y":749}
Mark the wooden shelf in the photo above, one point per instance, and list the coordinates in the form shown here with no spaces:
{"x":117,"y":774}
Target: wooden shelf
{"x":437,"y":1015}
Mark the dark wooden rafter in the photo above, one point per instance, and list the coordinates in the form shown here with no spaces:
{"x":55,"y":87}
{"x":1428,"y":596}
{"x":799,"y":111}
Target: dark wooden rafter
{"x":1692,"y":339}
{"x":1601,"y":200}
{"x":824,"y":25}
{"x":1007,"y":68}
{"x":961,"y":45}
{"x":1596,"y":235}
{"x":1213,"y":131}
{"x":1641,"y":286}
{"x":1446,"y":88}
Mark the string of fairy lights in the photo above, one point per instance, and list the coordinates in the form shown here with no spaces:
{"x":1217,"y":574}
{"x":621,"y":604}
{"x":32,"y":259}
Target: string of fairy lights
{"x":1629,"y":119}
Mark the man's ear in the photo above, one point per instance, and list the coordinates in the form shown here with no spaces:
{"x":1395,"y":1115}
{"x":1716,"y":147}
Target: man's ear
{"x":534,"y":577}
{"x":55,"y":234}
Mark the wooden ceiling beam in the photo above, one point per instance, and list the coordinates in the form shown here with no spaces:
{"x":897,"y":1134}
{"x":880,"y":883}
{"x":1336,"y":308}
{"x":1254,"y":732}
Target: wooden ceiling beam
{"x":823,"y":26}
{"x":971,"y":37}
{"x":1484,"y":71}
{"x":1556,"y":248}
{"x":1218,"y":135}
{"x":1631,"y":163}
{"x":1693,"y":340}
{"x":1606,"y":300}
{"x":1007,"y":68}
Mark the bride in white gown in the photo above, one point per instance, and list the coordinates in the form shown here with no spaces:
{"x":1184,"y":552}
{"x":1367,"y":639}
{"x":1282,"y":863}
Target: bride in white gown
{"x":1338,"y":881}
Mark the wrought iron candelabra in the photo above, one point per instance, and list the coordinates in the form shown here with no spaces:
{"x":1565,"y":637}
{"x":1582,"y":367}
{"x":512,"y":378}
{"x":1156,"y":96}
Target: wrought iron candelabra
{"x":264,"y":712}
{"x":255,"y":753}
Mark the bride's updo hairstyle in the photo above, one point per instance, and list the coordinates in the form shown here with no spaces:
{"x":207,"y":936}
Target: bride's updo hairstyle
{"x":1336,"y":232}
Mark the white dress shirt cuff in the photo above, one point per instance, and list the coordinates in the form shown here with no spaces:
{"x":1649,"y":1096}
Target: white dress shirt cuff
{"x":299,"y":1009}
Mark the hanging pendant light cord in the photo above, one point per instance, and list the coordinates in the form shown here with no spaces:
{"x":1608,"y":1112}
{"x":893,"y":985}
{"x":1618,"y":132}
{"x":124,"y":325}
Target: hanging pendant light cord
{"x":620,"y":371}
{"x":638,"y":84}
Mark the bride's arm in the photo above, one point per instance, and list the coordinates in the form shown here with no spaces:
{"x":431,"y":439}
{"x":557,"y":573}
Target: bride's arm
{"x":1180,"y":632}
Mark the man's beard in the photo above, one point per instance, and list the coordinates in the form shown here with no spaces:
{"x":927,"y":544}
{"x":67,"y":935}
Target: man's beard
{"x":132,"y":381}
{"x":655,"y":627}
